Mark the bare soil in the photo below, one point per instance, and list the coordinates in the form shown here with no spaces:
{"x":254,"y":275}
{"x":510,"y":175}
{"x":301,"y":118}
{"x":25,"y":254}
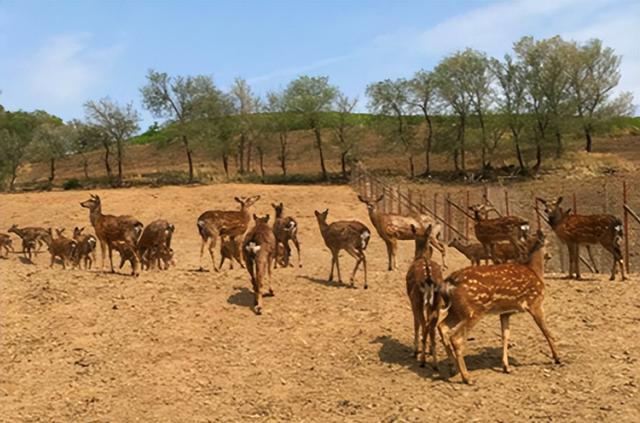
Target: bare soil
{"x":182,"y":345}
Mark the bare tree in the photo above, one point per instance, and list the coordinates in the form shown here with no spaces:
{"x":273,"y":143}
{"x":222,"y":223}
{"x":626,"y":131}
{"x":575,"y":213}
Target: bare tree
{"x":246,"y":105}
{"x":279,"y":119}
{"x":346,"y":132}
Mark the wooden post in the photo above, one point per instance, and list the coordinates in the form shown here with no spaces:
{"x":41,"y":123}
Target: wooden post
{"x":626,"y":224}
{"x":506,"y":202}
{"x":575,"y":204}
{"x":447,"y":206}
{"x":466,"y":218}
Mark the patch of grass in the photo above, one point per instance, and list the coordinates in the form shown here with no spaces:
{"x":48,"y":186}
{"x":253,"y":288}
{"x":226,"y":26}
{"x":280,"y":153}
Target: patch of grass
{"x":291,"y":179}
{"x":72,"y":183}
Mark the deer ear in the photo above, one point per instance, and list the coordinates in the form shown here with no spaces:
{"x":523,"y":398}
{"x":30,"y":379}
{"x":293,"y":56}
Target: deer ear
{"x":427,"y":232}
{"x":559,"y":201}
{"x":238,"y":200}
{"x":274,"y":205}
{"x":361,"y":198}
{"x":380,"y":198}
{"x":255,"y":217}
{"x":266,"y":218}
{"x":413,"y":229}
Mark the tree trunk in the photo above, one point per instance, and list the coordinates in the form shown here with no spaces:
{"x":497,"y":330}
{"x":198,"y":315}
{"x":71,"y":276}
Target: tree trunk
{"x":463,"y":164}
{"x":283,"y":153}
{"x":412,"y":170}
{"x":119,"y":151}
{"x":261,"y":157}
{"x":343,"y":163}
{"x":85,"y":166}
{"x":516,"y":141}
{"x":241,"y":153}
{"x":427,"y":171}
{"x":587,"y":133}
{"x":456,"y":166}
{"x":249,"y":149}
{"x":52,"y":170}
{"x":316,"y":130}
{"x":14,"y":175}
{"x":185,"y":142}
{"x":107,"y":165}
{"x":559,"y":146}
{"x":225,"y":164}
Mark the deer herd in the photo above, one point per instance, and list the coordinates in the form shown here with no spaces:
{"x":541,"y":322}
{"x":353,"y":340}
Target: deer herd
{"x":448,"y":306}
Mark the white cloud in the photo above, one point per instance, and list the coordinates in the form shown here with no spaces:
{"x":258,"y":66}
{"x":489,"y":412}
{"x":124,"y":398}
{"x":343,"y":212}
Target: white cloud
{"x":66,"y":68}
{"x":297,"y":70}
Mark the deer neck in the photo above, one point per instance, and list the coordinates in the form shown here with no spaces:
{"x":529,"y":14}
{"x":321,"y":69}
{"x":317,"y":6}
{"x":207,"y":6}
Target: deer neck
{"x":95,"y":215}
{"x":556,"y":218}
{"x":536,"y":262}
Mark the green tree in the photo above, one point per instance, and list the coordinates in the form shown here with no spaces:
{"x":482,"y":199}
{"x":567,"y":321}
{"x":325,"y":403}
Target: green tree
{"x":424,"y":96}
{"x":279,"y":121}
{"x":311,"y":97}
{"x":346,"y":131}
{"x":176,"y":99}
{"x":246,"y":106}
{"x":116,"y":123}
{"x":51,"y":141}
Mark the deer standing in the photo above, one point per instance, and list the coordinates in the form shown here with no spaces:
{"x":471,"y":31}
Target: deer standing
{"x":576,"y":229}
{"x":258,"y":249}
{"x":394,"y":227}
{"x":230,"y":249}
{"x":505,"y":228}
{"x":285,"y":229}
{"x":349,"y":235}
{"x":213,"y":224}
{"x":62,"y":247}
{"x":502,"y":289}
{"x":156,"y":235}
{"x":32,"y":237}
{"x":6,"y":244}
{"x":85,"y":251}
{"x":120,"y":232}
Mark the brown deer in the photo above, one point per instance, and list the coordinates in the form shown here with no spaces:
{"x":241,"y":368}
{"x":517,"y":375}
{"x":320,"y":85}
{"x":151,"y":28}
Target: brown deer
{"x":349,"y":235}
{"x":474,"y":252}
{"x":422,"y":276}
{"x":114,"y":229}
{"x":213,"y":224}
{"x":230,"y":249}
{"x":6,"y":243}
{"x":576,"y":229}
{"x":32,"y":237}
{"x":505,"y":228}
{"x":285,"y":229}
{"x":258,"y":249}
{"x":503,"y":289}
{"x":156,"y":235}
{"x":394,"y":227}
{"x":62,"y":247}
{"x":85,"y":252}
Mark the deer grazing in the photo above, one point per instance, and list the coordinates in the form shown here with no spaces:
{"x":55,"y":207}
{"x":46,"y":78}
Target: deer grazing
{"x":504,"y":289}
{"x":258,"y":249}
{"x":576,"y":229}
{"x":6,"y":244}
{"x":474,"y":252}
{"x":349,"y":235}
{"x":491,"y":231}
{"x":32,"y":237}
{"x":285,"y":229}
{"x":394,"y":227}
{"x":422,"y":276}
{"x":213,"y":224}
{"x":85,"y":251}
{"x":62,"y":247}
{"x":230,"y":249}
{"x":120,"y":232}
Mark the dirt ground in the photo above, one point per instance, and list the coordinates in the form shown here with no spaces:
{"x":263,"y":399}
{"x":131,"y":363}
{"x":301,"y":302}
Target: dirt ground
{"x":184,"y":346}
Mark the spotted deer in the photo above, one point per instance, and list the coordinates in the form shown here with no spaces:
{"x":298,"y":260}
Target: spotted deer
{"x":230,"y":249}
{"x":285,"y":229}
{"x":6,"y":244}
{"x":491,"y":231}
{"x":576,"y":229}
{"x":85,"y":252}
{"x":155,"y":236}
{"x":120,"y":232}
{"x":393,"y":227}
{"x":503,"y":289}
{"x":474,"y":252}
{"x":422,"y":276}
{"x":349,"y":235}
{"x":258,"y":249}
{"x":31,"y":237}
{"x":213,"y":224}
{"x":62,"y":247}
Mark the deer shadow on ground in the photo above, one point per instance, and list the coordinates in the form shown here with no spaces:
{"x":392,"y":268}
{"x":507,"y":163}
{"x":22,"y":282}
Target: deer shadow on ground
{"x":25,"y":260}
{"x":243,"y":297}
{"x":325,"y":282}
{"x":393,"y":351}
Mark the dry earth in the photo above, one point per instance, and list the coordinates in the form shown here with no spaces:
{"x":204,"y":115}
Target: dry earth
{"x":185,"y":346}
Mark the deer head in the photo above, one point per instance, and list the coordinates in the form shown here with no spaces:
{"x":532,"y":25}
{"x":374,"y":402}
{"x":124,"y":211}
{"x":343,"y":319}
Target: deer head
{"x":554,"y":212}
{"x":92,"y":203}
{"x":481,"y":211}
{"x":322,"y":216}
{"x":279,"y":208}
{"x":371,"y":205}
{"x":77,"y":231}
{"x":421,"y":237}
{"x":13,"y":228}
{"x":246,"y":202}
{"x":261,"y":220}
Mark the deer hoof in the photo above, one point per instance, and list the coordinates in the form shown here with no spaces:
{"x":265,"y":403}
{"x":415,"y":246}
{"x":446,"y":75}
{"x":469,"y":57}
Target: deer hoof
{"x":366,"y":287}
{"x":506,"y":369}
{"x":422,"y":364}
{"x":258,"y":310}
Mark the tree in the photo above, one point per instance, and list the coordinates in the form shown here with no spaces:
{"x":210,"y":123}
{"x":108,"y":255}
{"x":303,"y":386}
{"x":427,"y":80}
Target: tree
{"x":279,"y":121}
{"x":311,"y":97}
{"x":116,"y":124}
{"x":594,"y":71}
{"x":85,"y":138}
{"x":346,"y":132}
{"x":246,"y":105}
{"x":176,"y":99}
{"x":51,"y":142}
{"x":390,"y":101}
{"x":424,"y":96}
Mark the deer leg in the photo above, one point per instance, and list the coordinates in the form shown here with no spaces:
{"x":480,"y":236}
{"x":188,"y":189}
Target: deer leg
{"x":338,"y":266}
{"x":358,"y":256}
{"x":416,"y":331}
{"x":537,"y":313}
{"x":202,"y":245}
{"x":333,"y":260}
{"x":616,"y":253}
{"x":389,"y":254}
{"x":53,"y":260}
{"x":504,"y":326}
{"x":297,"y":245}
{"x":576,"y":260}
{"x":110,"y":256}
{"x":458,"y":339}
{"x":430,"y":330}
{"x":269,"y":259}
{"x":364,"y":265}
{"x":212,"y":247}
{"x":443,"y":330}
{"x":593,"y":262}
{"x":394,"y":254}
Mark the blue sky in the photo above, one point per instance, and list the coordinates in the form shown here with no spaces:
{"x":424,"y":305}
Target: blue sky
{"x":56,"y":55}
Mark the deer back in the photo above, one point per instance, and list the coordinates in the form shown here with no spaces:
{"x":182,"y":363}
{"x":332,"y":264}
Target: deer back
{"x":500,"y":229}
{"x":588,"y":228}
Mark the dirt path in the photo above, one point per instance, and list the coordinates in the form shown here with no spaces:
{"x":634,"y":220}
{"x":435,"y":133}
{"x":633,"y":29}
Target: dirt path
{"x":185,"y":346}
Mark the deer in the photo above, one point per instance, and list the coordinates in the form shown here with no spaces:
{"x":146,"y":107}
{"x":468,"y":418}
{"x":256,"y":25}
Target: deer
{"x":474,"y":252}
{"x":85,"y":251}
{"x":258,"y":249}
{"x":285,"y":229}
{"x":503,"y":251}
{"x":231,"y":249}
{"x":213,"y":224}
{"x":156,"y":235}
{"x":6,"y":243}
{"x":62,"y":247}
{"x":349,"y":235}
{"x":394,"y":227}
{"x":32,"y":237}
{"x":423,"y":274}
{"x":120,"y":232}
{"x":576,"y":229}
{"x":504,"y":289}
{"x":491,"y":231}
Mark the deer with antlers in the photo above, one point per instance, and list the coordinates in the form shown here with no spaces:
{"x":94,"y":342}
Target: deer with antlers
{"x":119,"y":232}
{"x":576,"y":229}
{"x":349,"y":235}
{"x":213,"y":224}
{"x":504,"y":228}
{"x":503,"y":289}
{"x":285,"y":229}
{"x":258,"y":249}
{"x":393,"y":227}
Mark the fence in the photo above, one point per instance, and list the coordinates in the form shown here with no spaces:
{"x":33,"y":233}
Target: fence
{"x":449,"y":206}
